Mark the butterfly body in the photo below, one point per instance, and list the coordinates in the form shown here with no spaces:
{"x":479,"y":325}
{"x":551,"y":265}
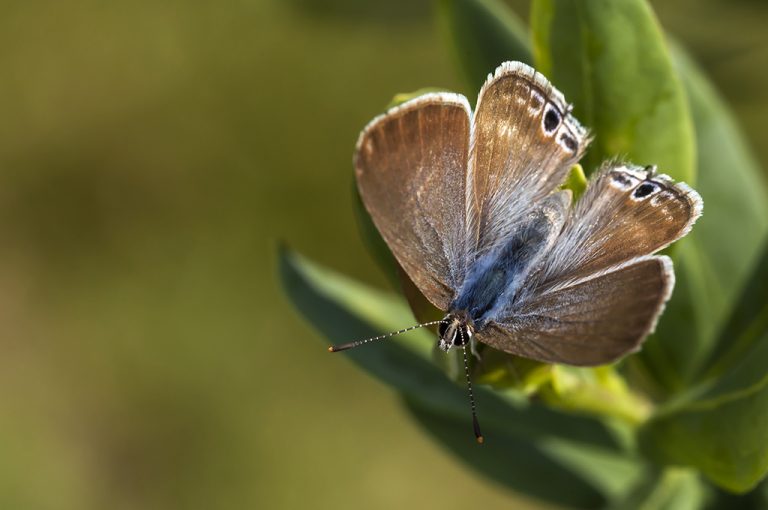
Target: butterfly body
{"x":495,"y":278}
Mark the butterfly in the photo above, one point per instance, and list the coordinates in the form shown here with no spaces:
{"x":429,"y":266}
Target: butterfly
{"x":471,"y":206}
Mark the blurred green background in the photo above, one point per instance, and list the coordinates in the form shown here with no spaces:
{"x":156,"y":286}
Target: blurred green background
{"x":151,"y":156}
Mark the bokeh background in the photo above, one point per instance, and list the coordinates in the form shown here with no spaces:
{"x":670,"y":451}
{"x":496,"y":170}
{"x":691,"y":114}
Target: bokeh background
{"x":152,"y":154}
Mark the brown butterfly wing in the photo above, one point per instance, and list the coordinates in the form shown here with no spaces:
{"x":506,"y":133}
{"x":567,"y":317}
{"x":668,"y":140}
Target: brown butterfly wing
{"x":626,"y":212}
{"x":411,"y":165}
{"x":524,"y":142}
{"x":589,"y":321}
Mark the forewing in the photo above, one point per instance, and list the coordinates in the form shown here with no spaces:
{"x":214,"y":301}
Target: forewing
{"x":524,"y":142}
{"x":625,"y":212}
{"x":590,"y":321}
{"x":411,"y":165}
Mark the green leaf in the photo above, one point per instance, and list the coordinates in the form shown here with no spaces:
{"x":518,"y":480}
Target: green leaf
{"x":514,"y":462}
{"x":501,"y":370}
{"x":731,"y":234}
{"x":600,"y":391}
{"x":715,"y":260}
{"x":576,"y":181}
{"x":565,"y":474}
{"x":722,"y":430}
{"x":483,"y":34}
{"x":344,"y":310}
{"x":747,"y":324}
{"x":672,"y":489}
{"x":610,"y":60}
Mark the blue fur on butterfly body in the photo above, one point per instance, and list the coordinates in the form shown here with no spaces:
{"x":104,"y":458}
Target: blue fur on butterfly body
{"x":494,"y":279}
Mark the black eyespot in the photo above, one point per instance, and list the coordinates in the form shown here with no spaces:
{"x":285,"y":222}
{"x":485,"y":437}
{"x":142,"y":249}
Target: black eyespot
{"x":621,"y":179}
{"x":644,"y":190}
{"x":569,"y":142}
{"x":551,"y":120}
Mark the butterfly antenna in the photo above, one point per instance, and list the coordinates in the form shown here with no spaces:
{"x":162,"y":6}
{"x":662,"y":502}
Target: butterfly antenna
{"x":475,"y":423}
{"x":350,"y":345}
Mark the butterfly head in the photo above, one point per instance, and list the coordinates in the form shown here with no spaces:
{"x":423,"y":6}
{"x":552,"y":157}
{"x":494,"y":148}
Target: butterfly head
{"x":455,"y":330}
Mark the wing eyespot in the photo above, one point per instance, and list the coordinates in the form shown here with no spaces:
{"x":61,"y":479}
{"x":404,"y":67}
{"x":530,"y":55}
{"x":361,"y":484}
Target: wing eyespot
{"x":568,"y":142}
{"x":551,"y":120}
{"x":622,"y":181}
{"x":644,"y":190}
{"x":660,"y":198}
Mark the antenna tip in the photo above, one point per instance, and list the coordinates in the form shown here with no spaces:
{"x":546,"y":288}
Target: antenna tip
{"x":480,"y":439}
{"x":331,"y":349}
